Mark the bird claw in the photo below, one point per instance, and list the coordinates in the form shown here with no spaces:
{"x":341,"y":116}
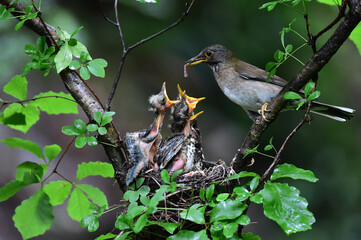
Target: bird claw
{"x":263,"y":110}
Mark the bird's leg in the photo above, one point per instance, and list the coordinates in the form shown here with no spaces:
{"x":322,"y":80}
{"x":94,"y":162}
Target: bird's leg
{"x":264,"y":109}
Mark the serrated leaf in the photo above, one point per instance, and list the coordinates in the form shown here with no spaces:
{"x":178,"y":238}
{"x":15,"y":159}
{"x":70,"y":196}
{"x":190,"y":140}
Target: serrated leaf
{"x":95,"y":195}
{"x":10,"y":189}
{"x":28,"y":111}
{"x":26,"y":145}
{"x":57,"y":191}
{"x":229,"y":209}
{"x":56,"y":103}
{"x":283,"y":204}
{"x":78,"y":205}
{"x":17,"y":87}
{"x":34,"y":216}
{"x":80,"y":141}
{"x":51,"y":151}
{"x":292,"y":95}
{"x":94,"y":169}
{"x":291,"y":171}
{"x":63,"y":58}
{"x":189,"y":235}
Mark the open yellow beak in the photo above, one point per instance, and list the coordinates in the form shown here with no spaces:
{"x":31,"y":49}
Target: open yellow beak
{"x":169,"y":103}
{"x":192,"y":118}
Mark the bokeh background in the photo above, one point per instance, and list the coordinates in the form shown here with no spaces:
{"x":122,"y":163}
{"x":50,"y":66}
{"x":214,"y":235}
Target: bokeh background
{"x":330,"y":149}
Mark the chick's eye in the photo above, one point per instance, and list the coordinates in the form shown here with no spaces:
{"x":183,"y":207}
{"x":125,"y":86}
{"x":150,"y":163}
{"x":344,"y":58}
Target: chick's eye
{"x":209,"y":54}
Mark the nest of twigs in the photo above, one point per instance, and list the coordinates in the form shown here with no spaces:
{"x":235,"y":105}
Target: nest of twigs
{"x":184,"y":196}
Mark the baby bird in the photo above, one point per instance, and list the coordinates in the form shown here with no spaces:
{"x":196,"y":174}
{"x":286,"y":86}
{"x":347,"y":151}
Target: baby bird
{"x":142,"y":146}
{"x":179,"y":151}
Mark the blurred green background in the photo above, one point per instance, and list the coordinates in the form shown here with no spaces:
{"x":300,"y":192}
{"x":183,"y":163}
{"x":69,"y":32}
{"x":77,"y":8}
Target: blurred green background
{"x":329,"y":148}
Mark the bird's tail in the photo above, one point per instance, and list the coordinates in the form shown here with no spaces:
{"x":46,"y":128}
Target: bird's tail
{"x":337,"y":113}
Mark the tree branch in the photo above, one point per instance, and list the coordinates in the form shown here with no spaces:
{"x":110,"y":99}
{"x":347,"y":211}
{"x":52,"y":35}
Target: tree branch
{"x":80,"y":93}
{"x":312,"y":67}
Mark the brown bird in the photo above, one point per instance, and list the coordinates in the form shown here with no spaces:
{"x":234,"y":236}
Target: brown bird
{"x":142,"y":146}
{"x":247,"y":86}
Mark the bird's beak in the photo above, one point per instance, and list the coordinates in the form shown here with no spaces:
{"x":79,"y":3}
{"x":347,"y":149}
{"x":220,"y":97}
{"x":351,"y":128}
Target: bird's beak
{"x":197,"y":60}
{"x":190,"y":99}
{"x":169,"y":103}
{"x":192,"y":118}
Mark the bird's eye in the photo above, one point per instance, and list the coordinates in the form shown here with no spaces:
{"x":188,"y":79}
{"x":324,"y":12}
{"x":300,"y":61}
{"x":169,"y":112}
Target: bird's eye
{"x":209,"y":53}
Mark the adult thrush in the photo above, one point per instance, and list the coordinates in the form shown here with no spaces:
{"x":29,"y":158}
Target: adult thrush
{"x":247,"y":85}
{"x":179,"y":150}
{"x":142,"y":146}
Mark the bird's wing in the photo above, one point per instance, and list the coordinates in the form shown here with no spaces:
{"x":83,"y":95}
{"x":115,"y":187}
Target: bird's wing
{"x":248,"y":71}
{"x":169,"y":149}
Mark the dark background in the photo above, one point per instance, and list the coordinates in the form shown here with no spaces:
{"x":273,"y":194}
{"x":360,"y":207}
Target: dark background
{"x":330,"y":149}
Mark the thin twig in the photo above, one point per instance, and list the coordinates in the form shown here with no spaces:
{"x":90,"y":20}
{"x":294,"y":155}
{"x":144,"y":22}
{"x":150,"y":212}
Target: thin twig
{"x":127,"y":50}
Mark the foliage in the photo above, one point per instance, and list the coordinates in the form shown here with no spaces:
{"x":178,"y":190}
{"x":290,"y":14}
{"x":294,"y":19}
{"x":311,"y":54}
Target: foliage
{"x":221,"y":213}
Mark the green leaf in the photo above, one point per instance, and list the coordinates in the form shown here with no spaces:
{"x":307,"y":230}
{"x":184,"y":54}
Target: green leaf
{"x":63,"y":58}
{"x":169,"y":227}
{"x":75,"y":64}
{"x":140,"y":224}
{"x":254,"y":183}
{"x":230,"y":229}
{"x":19,"y":24}
{"x":131,"y":196}
{"x":91,"y":222}
{"x":80,"y":141}
{"x":15,"y":114}
{"x":17,"y":87}
{"x":98,"y":117}
{"x":243,"y":220}
{"x":57,"y":191}
{"x":78,"y":205}
{"x":40,"y":44}
{"x":78,"y":50}
{"x":250,"y":236}
{"x":202,"y":194}
{"x":143,"y":190}
{"x":25,"y":145}
{"x":30,"y":172}
{"x":189,"y":235}
{"x":102,"y":131}
{"x":269,"y":5}
{"x":256,"y":198}
{"x":241,"y":175}
{"x":76,"y":31}
{"x":79,"y":124}
{"x":292,"y":95}
{"x":51,"y":151}
{"x":84,"y":73}
{"x":331,"y":2}
{"x":71,"y":130}
{"x":165,"y":176}
{"x":291,"y":171}
{"x":308,"y":88}
{"x":195,"y":214}
{"x":121,"y":223}
{"x":283,"y":204}
{"x":139,"y":182}
{"x":56,"y":103}
{"x":94,"y":169}
{"x":356,"y":36}
{"x":92,"y":127}
{"x":209,"y":192}
{"x":222,"y":196}
{"x":229,"y":209}
{"x":109,"y":236}
{"x":10,"y":189}
{"x":92,"y":141}
{"x":34,"y":216}
{"x":95,"y":195}
{"x":301,"y":103}
{"x":99,"y":62}
{"x":314,"y":95}
{"x":175,"y":174}
{"x":242,"y":193}
{"x":135,"y":211}
{"x":72,"y":42}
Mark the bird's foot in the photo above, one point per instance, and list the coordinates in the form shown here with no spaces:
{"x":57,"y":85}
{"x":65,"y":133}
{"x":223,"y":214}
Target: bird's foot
{"x":263,"y":110}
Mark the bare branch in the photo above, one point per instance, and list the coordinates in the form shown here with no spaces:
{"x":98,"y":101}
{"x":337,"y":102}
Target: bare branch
{"x":188,"y":7}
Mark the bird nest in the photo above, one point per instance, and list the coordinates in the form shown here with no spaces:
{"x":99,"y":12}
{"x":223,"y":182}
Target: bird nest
{"x":186,"y":194}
